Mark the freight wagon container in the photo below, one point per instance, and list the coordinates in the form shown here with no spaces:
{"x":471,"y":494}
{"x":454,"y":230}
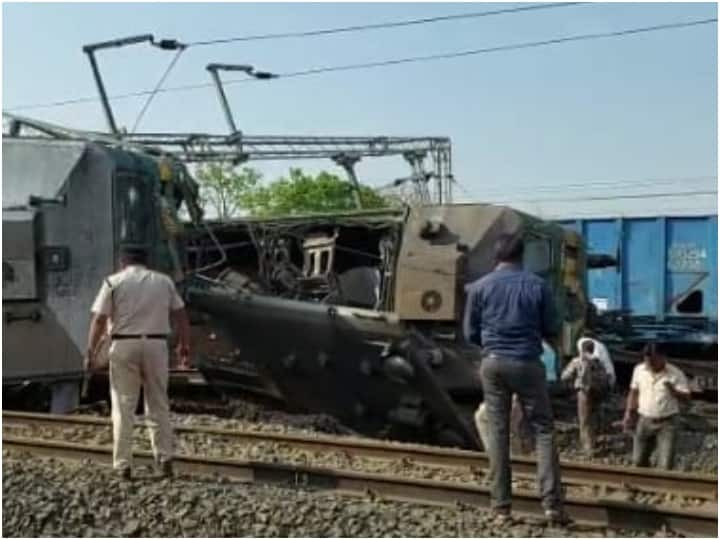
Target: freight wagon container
{"x":664,"y":285}
{"x":666,"y":273}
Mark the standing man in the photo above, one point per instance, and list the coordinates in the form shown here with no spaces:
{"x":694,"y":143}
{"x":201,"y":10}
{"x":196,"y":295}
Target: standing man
{"x":591,"y":383}
{"x":509,"y":312}
{"x":139,"y":304}
{"x":653,"y":407}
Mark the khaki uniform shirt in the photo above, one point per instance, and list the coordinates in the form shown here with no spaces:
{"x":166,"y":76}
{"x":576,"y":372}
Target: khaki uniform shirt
{"x":655,"y":400}
{"x":138,"y":301}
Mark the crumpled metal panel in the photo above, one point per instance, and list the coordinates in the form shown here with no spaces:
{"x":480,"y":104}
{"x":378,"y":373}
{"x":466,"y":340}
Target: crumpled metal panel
{"x":362,"y":367}
{"x":37,"y":167}
{"x":427,"y":269}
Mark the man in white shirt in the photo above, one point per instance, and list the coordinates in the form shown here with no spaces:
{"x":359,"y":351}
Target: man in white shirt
{"x":602,"y":354}
{"x":653,"y":407}
{"x":139,"y":303}
{"x":590,"y":380}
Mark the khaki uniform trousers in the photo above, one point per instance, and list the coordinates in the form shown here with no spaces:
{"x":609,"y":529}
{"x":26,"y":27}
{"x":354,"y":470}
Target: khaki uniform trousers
{"x":136,"y":363}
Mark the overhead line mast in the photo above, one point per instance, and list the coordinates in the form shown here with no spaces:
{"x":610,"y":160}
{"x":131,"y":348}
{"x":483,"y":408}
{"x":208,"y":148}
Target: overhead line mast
{"x":236,"y":147}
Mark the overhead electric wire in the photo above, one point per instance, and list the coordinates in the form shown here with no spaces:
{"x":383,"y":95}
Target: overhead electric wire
{"x":613,"y":213}
{"x":499,"y":48}
{"x":457,"y":184}
{"x":610,"y":197}
{"x":392,"y":62}
{"x":157,"y":88}
{"x":379,"y":26}
{"x":328,"y":31}
{"x":625,"y":184}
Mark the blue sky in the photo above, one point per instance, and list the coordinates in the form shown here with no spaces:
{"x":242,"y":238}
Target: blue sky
{"x":574,"y":121}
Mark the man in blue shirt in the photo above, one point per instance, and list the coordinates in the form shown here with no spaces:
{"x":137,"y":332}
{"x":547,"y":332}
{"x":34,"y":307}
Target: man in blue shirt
{"x":508,"y":314}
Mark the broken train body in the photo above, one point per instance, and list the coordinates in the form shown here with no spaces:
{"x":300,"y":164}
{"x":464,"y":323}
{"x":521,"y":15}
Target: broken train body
{"x":359,"y":315}
{"x":69,"y":204}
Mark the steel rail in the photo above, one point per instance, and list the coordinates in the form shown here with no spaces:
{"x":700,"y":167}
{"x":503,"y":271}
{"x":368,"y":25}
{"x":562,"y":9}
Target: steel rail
{"x":679,"y":483}
{"x":601,"y":512}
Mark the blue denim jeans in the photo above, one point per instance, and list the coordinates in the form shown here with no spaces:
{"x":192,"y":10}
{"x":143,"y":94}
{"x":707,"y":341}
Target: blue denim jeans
{"x":501,"y":377}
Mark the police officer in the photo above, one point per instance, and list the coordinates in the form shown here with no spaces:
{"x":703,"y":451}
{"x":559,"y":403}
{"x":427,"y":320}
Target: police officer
{"x":139,"y":304}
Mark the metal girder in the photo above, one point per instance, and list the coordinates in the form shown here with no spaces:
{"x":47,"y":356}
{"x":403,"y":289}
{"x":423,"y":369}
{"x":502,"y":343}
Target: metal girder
{"x":204,"y":147}
{"x":196,"y":147}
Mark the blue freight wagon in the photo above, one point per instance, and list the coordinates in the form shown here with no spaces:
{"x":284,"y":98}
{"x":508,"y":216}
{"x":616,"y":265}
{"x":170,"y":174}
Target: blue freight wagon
{"x":663,"y":286}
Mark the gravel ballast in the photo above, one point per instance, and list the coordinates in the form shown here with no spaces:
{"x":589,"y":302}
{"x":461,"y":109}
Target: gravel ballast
{"x":208,"y":445}
{"x":44,"y":497}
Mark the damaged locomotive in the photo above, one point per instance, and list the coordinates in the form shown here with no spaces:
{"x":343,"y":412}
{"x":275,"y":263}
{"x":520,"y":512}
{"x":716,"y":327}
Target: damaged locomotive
{"x":359,"y":315}
{"x":356,"y":314}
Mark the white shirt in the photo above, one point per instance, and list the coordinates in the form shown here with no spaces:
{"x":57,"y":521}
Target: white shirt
{"x":138,"y":301}
{"x":602,"y":354}
{"x":654,"y":399}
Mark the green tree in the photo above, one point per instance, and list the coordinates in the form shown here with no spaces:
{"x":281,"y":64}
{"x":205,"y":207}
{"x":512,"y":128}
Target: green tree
{"x":301,"y":193}
{"x":225,"y":189}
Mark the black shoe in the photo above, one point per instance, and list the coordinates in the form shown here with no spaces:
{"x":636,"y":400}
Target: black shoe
{"x":501,"y":513}
{"x":124,"y":473}
{"x":557,"y":517}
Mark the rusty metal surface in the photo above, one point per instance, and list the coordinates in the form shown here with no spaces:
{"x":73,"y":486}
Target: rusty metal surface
{"x":597,"y":512}
{"x":680,"y":483}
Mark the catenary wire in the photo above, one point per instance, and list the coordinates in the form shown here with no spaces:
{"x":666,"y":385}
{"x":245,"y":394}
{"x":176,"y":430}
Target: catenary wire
{"x":499,"y":48}
{"x":386,"y":63}
{"x":378,"y":26}
{"x":327,"y":31}
{"x":610,"y":197}
{"x":550,"y":189}
{"x":157,"y":88}
{"x":629,"y":184}
{"x":614,"y":213}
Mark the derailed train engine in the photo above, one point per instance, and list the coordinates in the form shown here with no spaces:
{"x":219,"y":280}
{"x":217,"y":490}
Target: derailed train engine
{"x":359,"y":315}
{"x":356,"y":315}
{"x":69,"y":204}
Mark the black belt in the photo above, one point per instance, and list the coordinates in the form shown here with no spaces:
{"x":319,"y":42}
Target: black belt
{"x":519,"y":358}
{"x":139,"y":336}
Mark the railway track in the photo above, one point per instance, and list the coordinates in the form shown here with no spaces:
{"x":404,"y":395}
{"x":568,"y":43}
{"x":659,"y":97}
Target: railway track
{"x":681,"y":484}
{"x":601,"y":511}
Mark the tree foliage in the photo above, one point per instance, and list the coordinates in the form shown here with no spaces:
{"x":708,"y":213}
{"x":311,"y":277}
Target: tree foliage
{"x":229,"y":192}
{"x":224,"y":188}
{"x":301,"y":193}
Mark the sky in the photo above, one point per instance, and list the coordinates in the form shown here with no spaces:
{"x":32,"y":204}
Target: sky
{"x":581,"y":129}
